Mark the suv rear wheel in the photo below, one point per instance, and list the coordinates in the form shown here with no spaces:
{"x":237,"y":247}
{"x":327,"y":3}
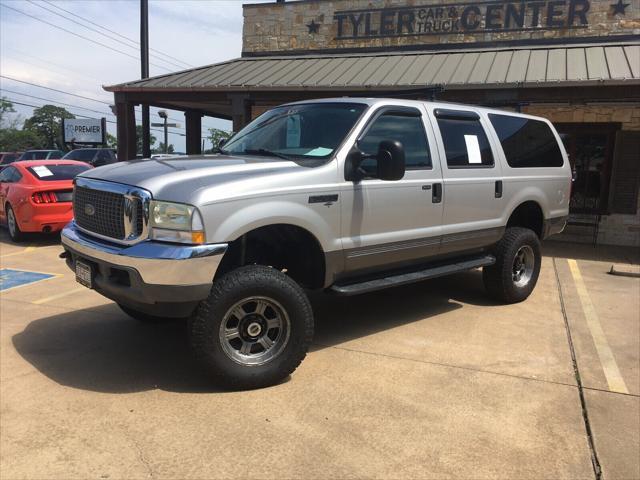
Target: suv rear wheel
{"x":254,"y":329}
{"x":514,"y":275}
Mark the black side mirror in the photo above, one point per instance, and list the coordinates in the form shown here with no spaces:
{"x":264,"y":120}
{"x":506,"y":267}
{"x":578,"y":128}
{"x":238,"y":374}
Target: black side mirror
{"x":222,"y":142}
{"x":391,"y":164}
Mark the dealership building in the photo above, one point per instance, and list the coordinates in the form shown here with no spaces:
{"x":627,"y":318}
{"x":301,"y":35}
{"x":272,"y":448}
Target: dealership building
{"x":576,"y":62}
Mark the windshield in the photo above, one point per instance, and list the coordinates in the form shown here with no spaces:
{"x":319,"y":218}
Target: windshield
{"x":312,"y":130}
{"x":83,"y":155}
{"x":57,"y":172}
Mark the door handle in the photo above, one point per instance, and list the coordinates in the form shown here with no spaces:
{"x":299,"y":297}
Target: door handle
{"x":436,"y":196}
{"x":498,"y":191}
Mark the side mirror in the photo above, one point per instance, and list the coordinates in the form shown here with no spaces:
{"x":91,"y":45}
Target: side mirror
{"x":391,"y":165}
{"x":222,"y":142}
{"x":390,"y":162}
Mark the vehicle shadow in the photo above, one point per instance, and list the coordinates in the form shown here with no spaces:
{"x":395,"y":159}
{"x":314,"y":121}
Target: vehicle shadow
{"x":101,"y":349}
{"x":30,"y":239}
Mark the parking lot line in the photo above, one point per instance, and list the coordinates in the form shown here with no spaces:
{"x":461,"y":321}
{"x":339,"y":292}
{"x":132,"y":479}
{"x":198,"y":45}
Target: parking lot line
{"x":607,"y":360}
{"x":59,"y":295}
{"x":27,"y":250}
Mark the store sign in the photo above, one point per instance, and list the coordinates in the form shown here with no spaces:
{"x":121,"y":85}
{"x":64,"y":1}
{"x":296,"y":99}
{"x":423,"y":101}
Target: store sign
{"x":84,"y":130}
{"x":456,"y":18}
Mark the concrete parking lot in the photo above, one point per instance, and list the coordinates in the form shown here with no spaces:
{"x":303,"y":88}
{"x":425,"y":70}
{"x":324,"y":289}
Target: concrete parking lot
{"x":431,"y":380}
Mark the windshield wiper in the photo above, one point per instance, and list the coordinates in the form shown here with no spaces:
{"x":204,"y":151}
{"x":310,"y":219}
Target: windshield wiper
{"x":265,"y":152}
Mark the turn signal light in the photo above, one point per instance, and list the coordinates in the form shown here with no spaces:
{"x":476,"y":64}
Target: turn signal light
{"x":44,"y":197}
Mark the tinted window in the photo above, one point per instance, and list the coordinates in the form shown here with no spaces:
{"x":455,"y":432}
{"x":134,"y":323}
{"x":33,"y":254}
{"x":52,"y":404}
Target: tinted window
{"x":55,"y":154}
{"x":297,"y":131}
{"x":82,"y":155}
{"x":407,"y":129}
{"x":465,"y":143}
{"x":10,"y":175}
{"x":57,"y":172}
{"x":527,"y":143}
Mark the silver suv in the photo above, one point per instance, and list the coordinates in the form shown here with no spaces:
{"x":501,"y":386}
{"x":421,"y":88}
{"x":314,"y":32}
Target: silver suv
{"x":346,"y":195}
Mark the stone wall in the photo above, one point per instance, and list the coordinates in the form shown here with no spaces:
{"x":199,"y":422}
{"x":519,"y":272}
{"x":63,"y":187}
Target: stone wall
{"x":353,"y":24}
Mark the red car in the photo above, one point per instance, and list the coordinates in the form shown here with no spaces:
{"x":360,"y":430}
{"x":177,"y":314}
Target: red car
{"x":35,"y":195}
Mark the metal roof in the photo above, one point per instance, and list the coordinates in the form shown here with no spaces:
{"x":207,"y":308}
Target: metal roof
{"x":497,"y":68}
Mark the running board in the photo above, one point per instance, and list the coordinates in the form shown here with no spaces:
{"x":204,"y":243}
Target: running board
{"x":411,"y":277}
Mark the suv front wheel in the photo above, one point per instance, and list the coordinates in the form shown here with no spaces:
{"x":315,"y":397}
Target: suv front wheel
{"x":254,"y":329}
{"x":514,"y":275}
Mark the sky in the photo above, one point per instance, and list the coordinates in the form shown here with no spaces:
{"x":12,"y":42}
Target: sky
{"x":182,"y":34}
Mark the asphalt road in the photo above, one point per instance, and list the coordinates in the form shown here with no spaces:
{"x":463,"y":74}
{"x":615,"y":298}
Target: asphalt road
{"x":431,"y":380}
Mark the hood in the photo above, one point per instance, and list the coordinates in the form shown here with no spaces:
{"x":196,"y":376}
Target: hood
{"x":178,"y":178}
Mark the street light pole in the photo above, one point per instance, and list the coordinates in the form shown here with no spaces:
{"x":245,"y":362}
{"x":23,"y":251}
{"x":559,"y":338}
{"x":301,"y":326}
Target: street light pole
{"x":163,"y":115}
{"x":144,"y":73}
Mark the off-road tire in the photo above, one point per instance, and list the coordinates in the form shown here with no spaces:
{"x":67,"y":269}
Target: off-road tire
{"x":15,"y":233}
{"x":236,"y":286}
{"x":499,"y":277}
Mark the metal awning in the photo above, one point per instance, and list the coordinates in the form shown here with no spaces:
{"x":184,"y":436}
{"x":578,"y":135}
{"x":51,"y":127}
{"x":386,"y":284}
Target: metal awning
{"x":580,"y":65}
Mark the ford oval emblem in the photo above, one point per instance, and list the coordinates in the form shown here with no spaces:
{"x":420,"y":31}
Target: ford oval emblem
{"x":89,"y":209}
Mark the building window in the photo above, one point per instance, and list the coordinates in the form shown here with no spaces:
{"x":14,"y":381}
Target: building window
{"x":590,"y":149}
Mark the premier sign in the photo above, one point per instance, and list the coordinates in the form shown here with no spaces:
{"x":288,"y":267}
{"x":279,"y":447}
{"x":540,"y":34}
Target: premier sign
{"x":84,"y":130}
{"x":454,"y":18}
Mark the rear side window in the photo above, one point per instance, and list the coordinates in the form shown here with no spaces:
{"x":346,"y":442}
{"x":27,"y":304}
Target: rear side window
{"x":57,"y":172}
{"x":465,"y":142}
{"x":526,"y":143}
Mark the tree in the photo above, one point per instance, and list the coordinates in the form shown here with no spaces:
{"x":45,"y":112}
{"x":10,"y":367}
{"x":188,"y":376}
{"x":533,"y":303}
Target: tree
{"x":5,"y":107}
{"x":14,"y":140}
{"x":160,"y":148}
{"x":152,"y":139}
{"x":215,"y":135}
{"x":112,"y":141}
{"x":46,"y":122}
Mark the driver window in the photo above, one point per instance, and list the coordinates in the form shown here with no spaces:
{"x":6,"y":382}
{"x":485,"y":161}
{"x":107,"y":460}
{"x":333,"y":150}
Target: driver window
{"x":407,"y":129}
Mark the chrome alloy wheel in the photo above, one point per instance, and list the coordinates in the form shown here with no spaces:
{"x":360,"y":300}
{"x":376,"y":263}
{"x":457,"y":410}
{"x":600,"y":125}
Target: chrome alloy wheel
{"x":254,"y":331}
{"x":523,"y":266}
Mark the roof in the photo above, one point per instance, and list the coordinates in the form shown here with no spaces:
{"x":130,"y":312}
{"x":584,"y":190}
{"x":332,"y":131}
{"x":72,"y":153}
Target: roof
{"x":497,"y":68}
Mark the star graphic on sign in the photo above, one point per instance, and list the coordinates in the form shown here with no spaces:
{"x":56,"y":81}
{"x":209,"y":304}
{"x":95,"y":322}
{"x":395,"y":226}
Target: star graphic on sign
{"x":315,"y":27}
{"x":618,"y":8}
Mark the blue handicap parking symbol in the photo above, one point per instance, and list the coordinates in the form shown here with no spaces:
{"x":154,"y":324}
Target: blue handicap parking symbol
{"x":10,"y":278}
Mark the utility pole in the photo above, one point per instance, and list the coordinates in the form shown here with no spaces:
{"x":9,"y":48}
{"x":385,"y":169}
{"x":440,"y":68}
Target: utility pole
{"x":144,"y":73}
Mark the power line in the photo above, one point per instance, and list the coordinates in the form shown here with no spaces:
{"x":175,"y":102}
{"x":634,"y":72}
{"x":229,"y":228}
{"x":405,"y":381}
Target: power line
{"x":98,"y":32}
{"x":55,"y":101}
{"x":86,"y":116}
{"x":80,"y":36}
{"x":75,"y":95}
{"x":118,"y":34}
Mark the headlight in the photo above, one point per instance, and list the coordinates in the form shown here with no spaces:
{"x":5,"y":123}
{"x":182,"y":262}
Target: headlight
{"x":175,"y":222}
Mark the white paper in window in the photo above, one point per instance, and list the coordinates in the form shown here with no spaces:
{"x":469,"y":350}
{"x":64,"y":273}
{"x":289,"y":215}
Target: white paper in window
{"x":42,"y":171}
{"x":473,"y":148}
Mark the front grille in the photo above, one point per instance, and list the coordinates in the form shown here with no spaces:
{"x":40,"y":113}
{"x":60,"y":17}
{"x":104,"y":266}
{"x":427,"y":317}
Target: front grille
{"x":108,"y":212}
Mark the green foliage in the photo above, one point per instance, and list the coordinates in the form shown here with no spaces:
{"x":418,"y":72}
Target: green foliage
{"x":112,"y":141}
{"x":5,"y":107}
{"x":46,"y":122}
{"x":14,"y":140}
{"x":152,"y":140}
{"x":215,"y":135}
{"x":160,"y":148}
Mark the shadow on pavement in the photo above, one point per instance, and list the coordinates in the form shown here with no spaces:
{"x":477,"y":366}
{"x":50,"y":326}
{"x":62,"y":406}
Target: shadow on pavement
{"x":101,"y":349}
{"x":598,"y":253}
{"x":30,"y":239}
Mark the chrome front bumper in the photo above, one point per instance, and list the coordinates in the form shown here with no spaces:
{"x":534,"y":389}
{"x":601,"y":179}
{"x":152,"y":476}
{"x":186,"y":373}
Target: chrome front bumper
{"x":157,"y":263}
